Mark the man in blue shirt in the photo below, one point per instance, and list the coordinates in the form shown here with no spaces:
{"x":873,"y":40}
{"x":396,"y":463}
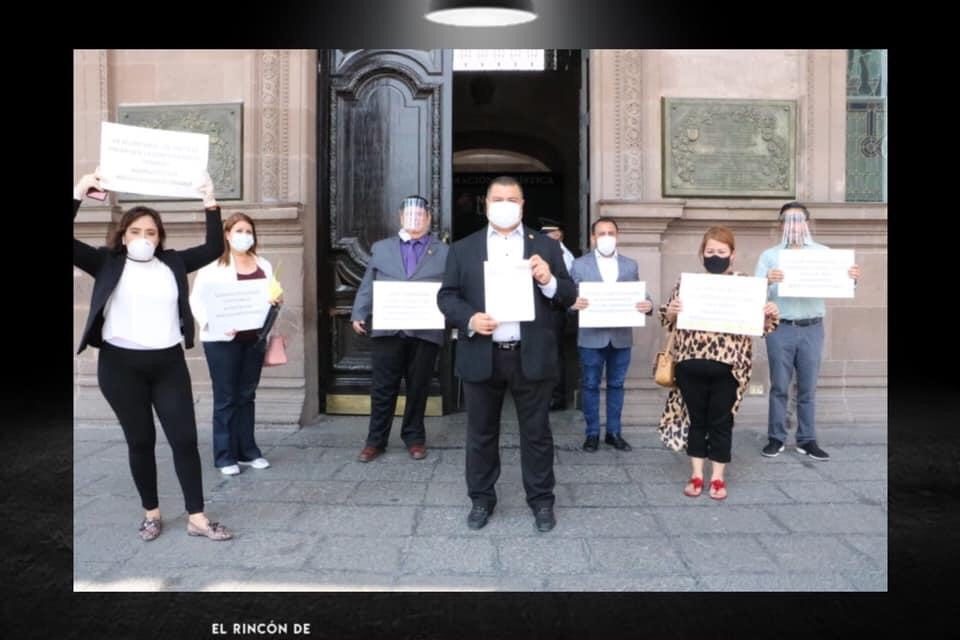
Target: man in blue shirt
{"x":797,"y":344}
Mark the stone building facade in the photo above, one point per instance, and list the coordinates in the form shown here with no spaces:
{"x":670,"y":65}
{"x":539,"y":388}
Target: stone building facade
{"x":284,"y":94}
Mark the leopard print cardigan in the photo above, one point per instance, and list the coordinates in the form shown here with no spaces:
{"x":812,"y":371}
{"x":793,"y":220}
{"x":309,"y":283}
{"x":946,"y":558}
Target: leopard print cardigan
{"x":735,"y":350}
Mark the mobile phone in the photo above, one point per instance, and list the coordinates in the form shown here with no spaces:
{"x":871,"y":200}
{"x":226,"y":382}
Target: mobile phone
{"x":96,"y":194}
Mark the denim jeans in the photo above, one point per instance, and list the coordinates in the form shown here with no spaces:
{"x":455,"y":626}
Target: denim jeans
{"x":592,"y":362}
{"x":235,"y":368}
{"x":792,"y":348}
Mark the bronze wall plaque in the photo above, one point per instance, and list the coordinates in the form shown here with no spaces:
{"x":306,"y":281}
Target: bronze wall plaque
{"x":729,"y":148}
{"x":222,"y":122}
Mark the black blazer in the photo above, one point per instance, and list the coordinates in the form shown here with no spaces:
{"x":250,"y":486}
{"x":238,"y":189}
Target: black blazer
{"x":461,"y":295}
{"x":106,"y":267}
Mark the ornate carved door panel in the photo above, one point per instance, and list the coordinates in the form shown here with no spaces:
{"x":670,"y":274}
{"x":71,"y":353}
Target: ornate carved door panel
{"x":388,"y":128}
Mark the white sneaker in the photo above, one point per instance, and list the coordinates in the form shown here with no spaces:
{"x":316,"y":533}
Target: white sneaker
{"x":230,"y":470}
{"x":259,"y":463}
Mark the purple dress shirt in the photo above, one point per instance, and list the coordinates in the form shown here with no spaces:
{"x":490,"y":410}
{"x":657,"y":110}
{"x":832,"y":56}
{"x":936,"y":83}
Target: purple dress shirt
{"x":412,"y":252}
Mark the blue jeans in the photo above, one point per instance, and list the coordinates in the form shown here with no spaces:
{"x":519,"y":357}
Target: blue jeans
{"x":792,"y":348}
{"x":592,"y":362}
{"x":234,"y":373}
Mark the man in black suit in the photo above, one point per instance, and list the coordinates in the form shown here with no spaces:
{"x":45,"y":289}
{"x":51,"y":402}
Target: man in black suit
{"x":495,"y":356}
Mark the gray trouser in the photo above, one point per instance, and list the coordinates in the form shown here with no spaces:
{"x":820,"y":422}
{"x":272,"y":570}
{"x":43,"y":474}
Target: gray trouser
{"x":793,"y":348}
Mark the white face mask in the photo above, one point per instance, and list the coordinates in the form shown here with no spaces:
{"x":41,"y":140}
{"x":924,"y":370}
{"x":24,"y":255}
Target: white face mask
{"x":241,"y":242}
{"x":606,"y":245}
{"x":140,"y":249}
{"x":503,"y":214}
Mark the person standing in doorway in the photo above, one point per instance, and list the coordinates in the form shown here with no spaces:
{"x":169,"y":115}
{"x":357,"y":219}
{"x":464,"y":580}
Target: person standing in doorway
{"x":797,"y":345}
{"x":494,"y":356}
{"x":563,"y":322}
{"x":607,"y":347}
{"x":414,"y":255}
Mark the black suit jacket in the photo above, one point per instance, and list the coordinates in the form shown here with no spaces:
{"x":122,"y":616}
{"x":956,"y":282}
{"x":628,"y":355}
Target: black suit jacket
{"x":106,"y":267}
{"x":461,"y":296}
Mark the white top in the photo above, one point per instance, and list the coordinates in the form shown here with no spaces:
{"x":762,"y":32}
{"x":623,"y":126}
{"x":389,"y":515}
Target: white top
{"x":504,"y":248}
{"x":142,"y":312}
{"x":212,"y":273}
{"x":609,"y":267}
{"x":567,"y":256}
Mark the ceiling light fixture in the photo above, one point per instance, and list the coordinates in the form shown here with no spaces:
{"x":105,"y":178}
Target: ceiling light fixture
{"x":481,"y":13}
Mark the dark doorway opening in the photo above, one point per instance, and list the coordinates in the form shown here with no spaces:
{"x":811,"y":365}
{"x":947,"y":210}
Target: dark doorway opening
{"x":530,"y":125}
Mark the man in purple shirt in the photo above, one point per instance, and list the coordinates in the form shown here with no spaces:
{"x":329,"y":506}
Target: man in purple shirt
{"x":409,"y":355}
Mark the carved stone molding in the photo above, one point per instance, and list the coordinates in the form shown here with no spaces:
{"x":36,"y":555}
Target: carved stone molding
{"x":628,"y":100}
{"x":805,"y":188}
{"x":104,"y":85}
{"x":274,"y":96}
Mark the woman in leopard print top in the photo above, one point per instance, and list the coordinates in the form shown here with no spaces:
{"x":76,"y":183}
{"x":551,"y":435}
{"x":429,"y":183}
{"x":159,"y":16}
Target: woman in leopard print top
{"x":712,"y":371}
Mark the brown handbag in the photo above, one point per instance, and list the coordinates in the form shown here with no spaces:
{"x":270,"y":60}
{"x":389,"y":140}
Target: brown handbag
{"x":664,"y":365}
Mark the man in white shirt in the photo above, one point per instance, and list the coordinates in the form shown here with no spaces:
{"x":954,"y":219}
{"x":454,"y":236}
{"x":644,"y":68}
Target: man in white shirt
{"x":493,"y":356}
{"x":604,"y":347}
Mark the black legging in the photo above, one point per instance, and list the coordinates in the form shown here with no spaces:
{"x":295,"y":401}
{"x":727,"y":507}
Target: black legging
{"x":135,"y":383}
{"x":709,"y":390}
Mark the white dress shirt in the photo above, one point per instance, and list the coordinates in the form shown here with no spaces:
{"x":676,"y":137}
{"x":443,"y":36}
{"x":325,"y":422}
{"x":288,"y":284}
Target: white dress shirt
{"x":609,"y":267}
{"x":510,"y":248}
{"x":568,"y":257}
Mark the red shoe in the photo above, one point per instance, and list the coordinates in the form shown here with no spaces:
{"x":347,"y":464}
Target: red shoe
{"x":369,"y":453}
{"x":697,"y":484}
{"x":418,"y":452}
{"x":715,"y":487}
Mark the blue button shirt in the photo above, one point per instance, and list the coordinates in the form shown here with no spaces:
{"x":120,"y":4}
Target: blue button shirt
{"x":790,"y":308}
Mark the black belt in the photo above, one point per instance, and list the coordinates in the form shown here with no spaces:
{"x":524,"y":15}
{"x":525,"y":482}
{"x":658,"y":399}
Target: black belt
{"x":803,"y":322}
{"x":507,"y":346}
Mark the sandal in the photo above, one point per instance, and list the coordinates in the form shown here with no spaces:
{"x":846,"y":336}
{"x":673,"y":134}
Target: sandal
{"x":697,"y":484}
{"x":149,"y":529}
{"x":716,"y":486}
{"x":214,"y":531}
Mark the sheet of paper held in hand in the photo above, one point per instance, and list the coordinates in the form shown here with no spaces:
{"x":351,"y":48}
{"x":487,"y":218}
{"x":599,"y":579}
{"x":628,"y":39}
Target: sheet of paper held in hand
{"x":406,"y":305}
{"x":722,"y":303}
{"x":612,"y":304}
{"x":239,"y":304}
{"x":152,"y":161}
{"x":816,"y":273}
{"x":508,"y":290}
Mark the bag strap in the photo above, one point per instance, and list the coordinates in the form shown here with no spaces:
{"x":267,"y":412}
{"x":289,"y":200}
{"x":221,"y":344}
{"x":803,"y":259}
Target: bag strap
{"x":668,"y":348}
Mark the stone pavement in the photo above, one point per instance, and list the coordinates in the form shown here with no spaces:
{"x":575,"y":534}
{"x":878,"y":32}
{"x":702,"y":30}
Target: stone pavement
{"x":317,"y":520}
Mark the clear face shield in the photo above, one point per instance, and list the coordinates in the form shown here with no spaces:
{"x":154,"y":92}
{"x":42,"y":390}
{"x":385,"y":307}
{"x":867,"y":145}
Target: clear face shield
{"x":414,"y":215}
{"x":796,"y":231}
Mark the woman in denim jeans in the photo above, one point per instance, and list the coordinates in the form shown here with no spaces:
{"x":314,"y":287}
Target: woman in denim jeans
{"x":234,"y":358}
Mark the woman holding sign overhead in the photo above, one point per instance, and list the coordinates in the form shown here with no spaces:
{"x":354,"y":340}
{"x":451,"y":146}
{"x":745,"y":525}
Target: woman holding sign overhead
{"x":138,"y":317}
{"x":234,"y":354}
{"x":712,"y":370}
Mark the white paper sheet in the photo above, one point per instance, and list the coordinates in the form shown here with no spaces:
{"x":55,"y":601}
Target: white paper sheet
{"x":508,"y":290}
{"x":722,"y":303}
{"x":239,"y":305}
{"x":399,"y":305}
{"x":816,"y":273}
{"x":152,"y":161}
{"x":612,"y":304}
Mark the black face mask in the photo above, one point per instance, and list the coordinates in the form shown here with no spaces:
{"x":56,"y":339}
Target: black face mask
{"x":716,"y":264}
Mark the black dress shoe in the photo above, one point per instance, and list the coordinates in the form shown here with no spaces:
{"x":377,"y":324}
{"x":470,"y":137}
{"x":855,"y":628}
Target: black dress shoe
{"x":478,"y":516}
{"x":543,"y":519}
{"x":617,"y":442}
{"x":591,"y":443}
{"x":557,"y":405}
